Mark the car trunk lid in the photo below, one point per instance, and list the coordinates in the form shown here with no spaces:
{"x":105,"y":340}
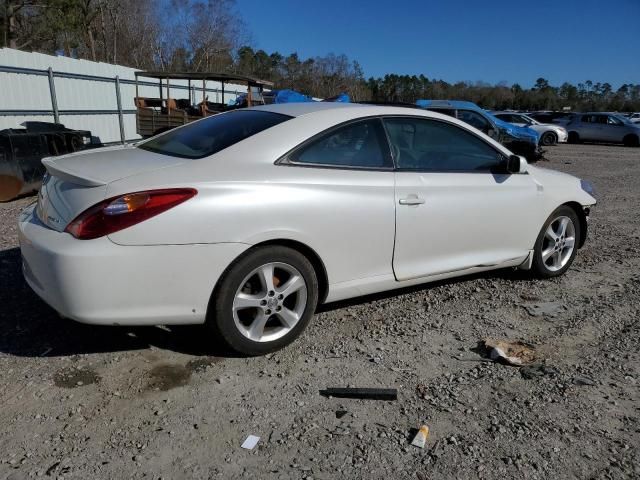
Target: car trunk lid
{"x":75,"y":182}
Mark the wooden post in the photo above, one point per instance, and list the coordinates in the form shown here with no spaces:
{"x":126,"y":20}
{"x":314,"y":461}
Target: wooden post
{"x":168,"y":106}
{"x":204,"y":100}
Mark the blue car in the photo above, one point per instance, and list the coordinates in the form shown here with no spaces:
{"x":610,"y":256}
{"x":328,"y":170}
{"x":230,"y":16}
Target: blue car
{"x":520,"y":140}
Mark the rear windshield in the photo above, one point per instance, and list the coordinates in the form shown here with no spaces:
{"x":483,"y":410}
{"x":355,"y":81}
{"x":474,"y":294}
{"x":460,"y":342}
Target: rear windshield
{"x":206,"y":137}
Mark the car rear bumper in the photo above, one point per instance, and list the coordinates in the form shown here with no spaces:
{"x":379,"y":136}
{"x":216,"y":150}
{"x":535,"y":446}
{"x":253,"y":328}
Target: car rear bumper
{"x":99,"y":282}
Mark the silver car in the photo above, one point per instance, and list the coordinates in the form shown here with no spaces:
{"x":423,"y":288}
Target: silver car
{"x":603,"y":127}
{"x":549,"y":134}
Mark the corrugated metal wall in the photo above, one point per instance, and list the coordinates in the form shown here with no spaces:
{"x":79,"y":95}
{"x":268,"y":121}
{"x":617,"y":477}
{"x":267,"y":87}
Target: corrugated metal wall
{"x":21,"y":91}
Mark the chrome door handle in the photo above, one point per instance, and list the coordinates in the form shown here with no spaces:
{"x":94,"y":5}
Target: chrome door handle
{"x":411,"y":200}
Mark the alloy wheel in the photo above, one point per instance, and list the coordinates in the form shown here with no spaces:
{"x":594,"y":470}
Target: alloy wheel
{"x":558,"y":243}
{"x":270,"y":301}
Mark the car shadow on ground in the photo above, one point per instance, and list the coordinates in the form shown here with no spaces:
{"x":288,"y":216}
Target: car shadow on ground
{"x":505,"y":274}
{"x":30,"y":328}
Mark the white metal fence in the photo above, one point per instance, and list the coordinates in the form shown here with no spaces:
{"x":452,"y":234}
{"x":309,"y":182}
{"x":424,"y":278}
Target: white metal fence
{"x":80,"y":94}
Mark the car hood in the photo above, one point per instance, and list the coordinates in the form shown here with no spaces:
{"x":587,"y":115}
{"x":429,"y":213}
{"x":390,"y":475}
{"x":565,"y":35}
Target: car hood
{"x":548,"y":175}
{"x":523,"y":133}
{"x":551,"y":125}
{"x":563,"y":184}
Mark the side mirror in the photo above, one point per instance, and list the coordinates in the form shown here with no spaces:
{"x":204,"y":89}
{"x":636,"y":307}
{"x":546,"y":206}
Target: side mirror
{"x":516,"y":164}
{"x":491,"y":132}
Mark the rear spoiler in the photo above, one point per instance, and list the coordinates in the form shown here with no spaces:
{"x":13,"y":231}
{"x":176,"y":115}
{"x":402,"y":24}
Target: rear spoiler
{"x":66,"y":174}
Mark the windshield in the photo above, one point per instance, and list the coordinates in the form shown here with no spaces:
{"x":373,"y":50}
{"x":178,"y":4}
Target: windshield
{"x":623,"y":119}
{"x":529,"y":119}
{"x":211,"y":135}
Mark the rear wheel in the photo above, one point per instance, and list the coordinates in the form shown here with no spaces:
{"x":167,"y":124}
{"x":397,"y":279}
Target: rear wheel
{"x":549,"y":138}
{"x":557,"y":243}
{"x":573,"y":137}
{"x":264,"y":301}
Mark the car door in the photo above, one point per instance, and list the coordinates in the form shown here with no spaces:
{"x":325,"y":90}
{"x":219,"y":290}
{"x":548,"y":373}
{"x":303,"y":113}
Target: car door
{"x":455,"y":209}
{"x":614,"y":130}
{"x":344,"y":185}
{"x":587,"y":127}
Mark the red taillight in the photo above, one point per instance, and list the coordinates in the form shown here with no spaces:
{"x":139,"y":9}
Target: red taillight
{"x":123,"y":211}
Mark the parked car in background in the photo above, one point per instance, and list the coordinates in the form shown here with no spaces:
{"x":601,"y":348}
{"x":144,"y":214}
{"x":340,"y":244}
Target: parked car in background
{"x":557,"y":118}
{"x":520,"y":140}
{"x":550,"y":134}
{"x":603,"y":127}
{"x":634,"y":117}
{"x":249,"y":219}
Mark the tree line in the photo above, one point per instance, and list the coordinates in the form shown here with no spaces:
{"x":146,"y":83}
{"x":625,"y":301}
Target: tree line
{"x":209,"y":35}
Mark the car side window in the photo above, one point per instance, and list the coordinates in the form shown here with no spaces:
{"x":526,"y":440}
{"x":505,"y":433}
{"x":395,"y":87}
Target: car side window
{"x":436,"y":146}
{"x":613,"y":120}
{"x":474,"y":119}
{"x":359,"y":144}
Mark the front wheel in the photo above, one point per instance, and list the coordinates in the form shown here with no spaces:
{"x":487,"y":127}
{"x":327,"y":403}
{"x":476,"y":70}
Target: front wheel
{"x":548,"y":139}
{"x":264,"y":301}
{"x":556,"y":245}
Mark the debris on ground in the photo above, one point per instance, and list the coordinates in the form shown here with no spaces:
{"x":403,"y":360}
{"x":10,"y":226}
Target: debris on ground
{"x":584,"y":381}
{"x":545,"y":309}
{"x":530,"y":372}
{"x":250,"y":442}
{"x":341,"y":413}
{"x":510,"y":352}
{"x":421,"y":437}
{"x":361,"y":393}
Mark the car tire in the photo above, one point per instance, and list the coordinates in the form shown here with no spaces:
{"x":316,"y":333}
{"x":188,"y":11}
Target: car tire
{"x":631,"y":141}
{"x":573,"y":137}
{"x":548,"y":139}
{"x":264,"y":300}
{"x":557,"y":243}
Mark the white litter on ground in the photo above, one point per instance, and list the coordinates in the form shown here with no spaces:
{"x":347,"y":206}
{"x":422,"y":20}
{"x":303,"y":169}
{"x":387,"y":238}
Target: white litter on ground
{"x":250,"y":442}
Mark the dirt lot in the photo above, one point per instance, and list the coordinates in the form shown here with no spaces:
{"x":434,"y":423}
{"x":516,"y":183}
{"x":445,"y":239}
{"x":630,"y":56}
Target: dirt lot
{"x":88,"y":402}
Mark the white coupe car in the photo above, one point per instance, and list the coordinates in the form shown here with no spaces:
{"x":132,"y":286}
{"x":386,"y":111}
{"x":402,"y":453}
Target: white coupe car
{"x":247,"y":220}
{"x":550,"y":134}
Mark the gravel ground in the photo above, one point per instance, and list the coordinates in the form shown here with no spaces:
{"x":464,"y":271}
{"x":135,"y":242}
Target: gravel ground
{"x":103,"y":402}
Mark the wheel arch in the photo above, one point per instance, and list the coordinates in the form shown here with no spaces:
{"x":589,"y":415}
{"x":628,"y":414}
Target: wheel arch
{"x":308,"y":252}
{"x":631,"y":139}
{"x":573,"y":136}
{"x":582,"y":218}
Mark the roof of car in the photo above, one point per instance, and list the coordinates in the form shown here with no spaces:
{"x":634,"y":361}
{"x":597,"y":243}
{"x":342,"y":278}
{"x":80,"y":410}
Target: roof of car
{"x":598,"y":113}
{"x":298,"y":109}
{"x":461,"y":104}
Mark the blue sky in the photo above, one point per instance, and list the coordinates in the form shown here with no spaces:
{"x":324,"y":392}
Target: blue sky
{"x":489,"y":40}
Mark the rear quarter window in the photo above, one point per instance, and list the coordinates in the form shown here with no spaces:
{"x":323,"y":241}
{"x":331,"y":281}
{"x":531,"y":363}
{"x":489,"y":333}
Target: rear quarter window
{"x":211,"y":135}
